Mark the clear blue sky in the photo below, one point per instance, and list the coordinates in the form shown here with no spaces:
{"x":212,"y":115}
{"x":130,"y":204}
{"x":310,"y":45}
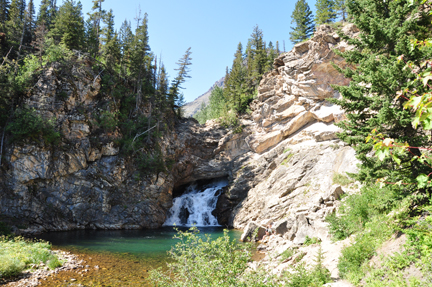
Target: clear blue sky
{"x":211,"y":28}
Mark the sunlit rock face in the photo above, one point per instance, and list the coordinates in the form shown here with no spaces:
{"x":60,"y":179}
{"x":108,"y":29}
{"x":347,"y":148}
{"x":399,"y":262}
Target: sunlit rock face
{"x":279,"y":166}
{"x":84,"y":181}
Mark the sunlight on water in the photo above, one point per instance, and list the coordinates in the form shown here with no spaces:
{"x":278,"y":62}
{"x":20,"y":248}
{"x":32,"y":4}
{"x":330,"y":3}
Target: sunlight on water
{"x":124,"y":256}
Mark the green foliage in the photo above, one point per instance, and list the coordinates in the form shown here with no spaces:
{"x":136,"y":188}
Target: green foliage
{"x":302,"y":277}
{"x":303,"y":21}
{"x":325,"y":11}
{"x":202,"y":261}
{"x":341,"y":179}
{"x":287,"y":254}
{"x":27,"y":124}
{"x":358,"y":209}
{"x":241,"y":82}
{"x":107,"y":121}
{"x":17,"y":254}
{"x":351,"y":263}
{"x":310,"y":241}
{"x":287,"y":159}
{"x":371,"y":98}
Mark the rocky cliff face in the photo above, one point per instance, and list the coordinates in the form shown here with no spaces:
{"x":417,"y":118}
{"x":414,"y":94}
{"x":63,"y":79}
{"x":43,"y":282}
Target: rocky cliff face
{"x":83,"y":182}
{"x":280,"y":166}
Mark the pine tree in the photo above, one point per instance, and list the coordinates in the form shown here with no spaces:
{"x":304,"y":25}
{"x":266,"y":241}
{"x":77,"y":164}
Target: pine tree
{"x":325,"y":11}
{"x":90,"y":39}
{"x":110,"y":41}
{"x":304,"y":24}
{"x":341,"y":8}
{"x":235,"y":84}
{"x":370,"y":101}
{"x":69,"y":25}
{"x":259,"y":56}
{"x":30,"y":24}
{"x":47,"y":13}
{"x":15,"y":25}
{"x":97,"y":15}
{"x":4,"y":12}
{"x":126,"y":38}
{"x":183,"y":73}
{"x":271,"y":55}
{"x":141,"y":60}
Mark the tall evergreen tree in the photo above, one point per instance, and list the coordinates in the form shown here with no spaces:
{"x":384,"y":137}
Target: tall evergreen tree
{"x":341,"y":8}
{"x":141,"y":60}
{"x":91,"y":41}
{"x":271,"y":55}
{"x":30,"y":24}
{"x":15,"y":25}
{"x":259,"y":56}
{"x":69,"y":25}
{"x":387,"y":29}
{"x":326,"y":12}
{"x":126,"y":38}
{"x":183,"y":73}
{"x":96,"y":17}
{"x":47,"y":13}
{"x":4,"y":11}
{"x":235,"y":84}
{"x":109,"y":38}
{"x":303,"y":20}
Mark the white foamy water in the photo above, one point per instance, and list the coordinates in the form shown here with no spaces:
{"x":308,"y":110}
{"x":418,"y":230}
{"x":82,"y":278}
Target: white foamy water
{"x":195,"y":206}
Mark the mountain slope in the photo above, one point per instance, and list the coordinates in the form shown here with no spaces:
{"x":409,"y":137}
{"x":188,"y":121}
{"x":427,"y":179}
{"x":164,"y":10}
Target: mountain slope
{"x":190,"y":109}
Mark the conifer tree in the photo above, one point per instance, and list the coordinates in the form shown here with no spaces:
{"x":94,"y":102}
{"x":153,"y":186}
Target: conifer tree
{"x":259,"y":56}
{"x":96,"y":17}
{"x":15,"y":25}
{"x":141,"y":60}
{"x":183,"y":73}
{"x":325,"y":11}
{"x":91,"y":41}
{"x":30,"y":23}
{"x":303,"y":21}
{"x":109,"y":38}
{"x":47,"y":12}
{"x":69,"y":25}
{"x":387,"y":29}
{"x":341,"y":8}
{"x":272,"y":54}
{"x":126,"y":38}
{"x":4,"y":11}
{"x":235,"y":84}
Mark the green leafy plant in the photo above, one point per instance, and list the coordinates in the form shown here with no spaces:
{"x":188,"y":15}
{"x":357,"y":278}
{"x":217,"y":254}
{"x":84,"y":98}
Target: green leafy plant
{"x":17,"y":254}
{"x":341,"y":179}
{"x":310,"y":241}
{"x":203,"y":261}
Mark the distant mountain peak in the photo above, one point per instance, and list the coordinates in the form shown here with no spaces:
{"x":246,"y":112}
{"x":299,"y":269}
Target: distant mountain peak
{"x":191,"y":108}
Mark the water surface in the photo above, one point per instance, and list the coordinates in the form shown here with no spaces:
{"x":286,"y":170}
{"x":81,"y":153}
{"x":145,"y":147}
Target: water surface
{"x":124,"y":257}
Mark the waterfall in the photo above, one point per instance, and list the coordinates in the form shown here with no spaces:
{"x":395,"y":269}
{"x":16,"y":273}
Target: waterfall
{"x":195,"y":205}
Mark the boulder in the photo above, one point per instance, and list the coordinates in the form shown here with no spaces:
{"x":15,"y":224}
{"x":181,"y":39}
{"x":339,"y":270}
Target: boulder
{"x":252,"y":232}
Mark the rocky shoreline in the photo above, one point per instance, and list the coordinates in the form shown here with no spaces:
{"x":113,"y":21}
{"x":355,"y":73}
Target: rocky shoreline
{"x":39,"y":273}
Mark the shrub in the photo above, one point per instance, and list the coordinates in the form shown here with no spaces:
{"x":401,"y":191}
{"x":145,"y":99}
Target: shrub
{"x":310,"y":241}
{"x":27,"y":124}
{"x":358,"y":209}
{"x":202,"y":261}
{"x":341,"y":179}
{"x":350,"y":263}
{"x":17,"y":254}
